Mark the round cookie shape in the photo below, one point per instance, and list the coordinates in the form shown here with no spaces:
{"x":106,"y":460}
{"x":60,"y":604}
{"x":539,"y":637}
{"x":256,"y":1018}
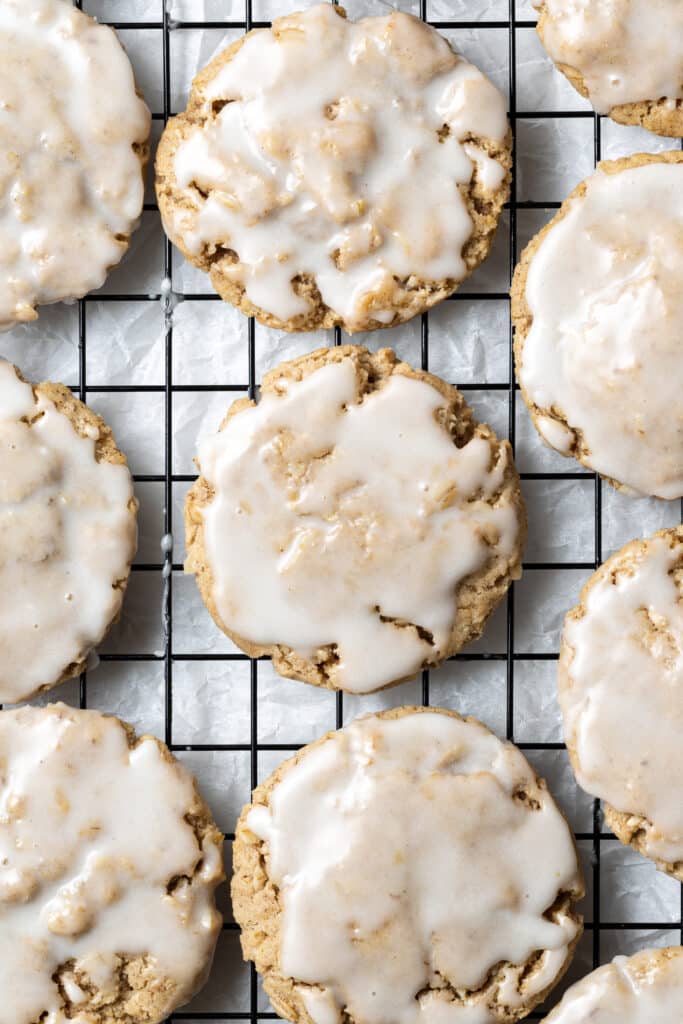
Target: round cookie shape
{"x":68,"y":534}
{"x":110,"y":859}
{"x":357,"y":525}
{"x":409,"y":867}
{"x":639,"y":989}
{"x":73,"y":148}
{"x":597,"y":308}
{"x":620,"y":688}
{"x":625,"y":56}
{"x":329,"y":172}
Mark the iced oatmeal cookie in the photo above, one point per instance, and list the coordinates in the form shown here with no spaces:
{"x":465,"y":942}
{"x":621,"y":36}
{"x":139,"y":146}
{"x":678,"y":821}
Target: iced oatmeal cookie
{"x":73,"y":148}
{"x":597,"y":306}
{"x":68,"y":533}
{"x":110,"y":859}
{"x":626,"y":56}
{"x":357,"y":524}
{"x":640,"y":989}
{"x":329,"y":172}
{"x":621,"y":692}
{"x":410,"y":867}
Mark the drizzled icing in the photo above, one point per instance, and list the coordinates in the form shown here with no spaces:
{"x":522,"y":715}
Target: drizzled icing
{"x":407,"y":861}
{"x":604,"y":352}
{"x":337,"y":152}
{"x":622,"y":692}
{"x":92,"y":834}
{"x":332,"y":516}
{"x":71,"y":187}
{"x":642,"y":989}
{"x":67,"y":535}
{"x":627,"y":51}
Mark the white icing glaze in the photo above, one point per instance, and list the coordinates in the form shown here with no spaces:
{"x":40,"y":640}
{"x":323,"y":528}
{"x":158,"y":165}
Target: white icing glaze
{"x":604,"y":349}
{"x":388,"y":518}
{"x":622,"y":702}
{"x":321,"y":1006}
{"x":91,"y":834}
{"x":329,"y":144}
{"x":627,"y":991}
{"x":627,"y":51}
{"x":555,"y":433}
{"x":67,"y":534}
{"x":70,"y":181}
{"x":403,"y":860}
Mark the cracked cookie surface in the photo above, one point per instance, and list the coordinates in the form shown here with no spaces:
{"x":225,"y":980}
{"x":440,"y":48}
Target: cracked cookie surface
{"x":109,"y":862}
{"x":68,"y":533}
{"x":597,"y":308}
{"x":409,"y":867}
{"x":73,"y":148}
{"x":329,"y":172}
{"x":621,"y":693}
{"x":639,"y":989}
{"x":357,"y":524}
{"x":623,"y":55}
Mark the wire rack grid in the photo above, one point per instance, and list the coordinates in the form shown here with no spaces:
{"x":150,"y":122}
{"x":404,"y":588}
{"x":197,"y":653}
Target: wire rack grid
{"x":507,"y":677}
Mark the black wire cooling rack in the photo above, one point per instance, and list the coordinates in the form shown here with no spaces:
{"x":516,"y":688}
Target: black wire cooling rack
{"x":591,"y":839}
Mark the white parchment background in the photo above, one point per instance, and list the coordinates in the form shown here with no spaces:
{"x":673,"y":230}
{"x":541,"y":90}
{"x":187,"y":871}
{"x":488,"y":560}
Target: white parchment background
{"x":468,"y":342}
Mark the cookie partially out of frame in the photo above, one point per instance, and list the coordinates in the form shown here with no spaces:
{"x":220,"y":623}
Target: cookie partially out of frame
{"x":639,"y":989}
{"x":329,"y":172}
{"x":409,"y":867}
{"x":597,"y":306}
{"x":625,"y":56}
{"x":68,"y":534}
{"x":357,"y":525}
{"x":73,"y":148}
{"x":620,"y":688}
{"x":109,"y":862}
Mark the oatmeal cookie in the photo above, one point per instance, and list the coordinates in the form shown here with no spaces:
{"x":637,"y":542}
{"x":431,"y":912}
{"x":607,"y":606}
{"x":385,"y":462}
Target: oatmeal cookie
{"x":638,"y":989}
{"x":73,"y":148}
{"x":625,"y":56}
{"x":110,"y":859}
{"x":357,"y":524}
{"x":621,"y":692}
{"x":597,"y":306}
{"x":410,"y":867}
{"x":68,"y":534}
{"x":329,"y":172}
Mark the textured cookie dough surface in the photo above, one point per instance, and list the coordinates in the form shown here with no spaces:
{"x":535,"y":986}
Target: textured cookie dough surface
{"x":598,"y":311}
{"x":624,"y":55}
{"x":68,"y":534}
{"x":642,"y":989}
{"x":73,"y":146}
{"x":621,"y":692}
{"x":109,"y":861}
{"x":357,"y":525}
{"x":329,"y":172}
{"x":410,"y":867}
